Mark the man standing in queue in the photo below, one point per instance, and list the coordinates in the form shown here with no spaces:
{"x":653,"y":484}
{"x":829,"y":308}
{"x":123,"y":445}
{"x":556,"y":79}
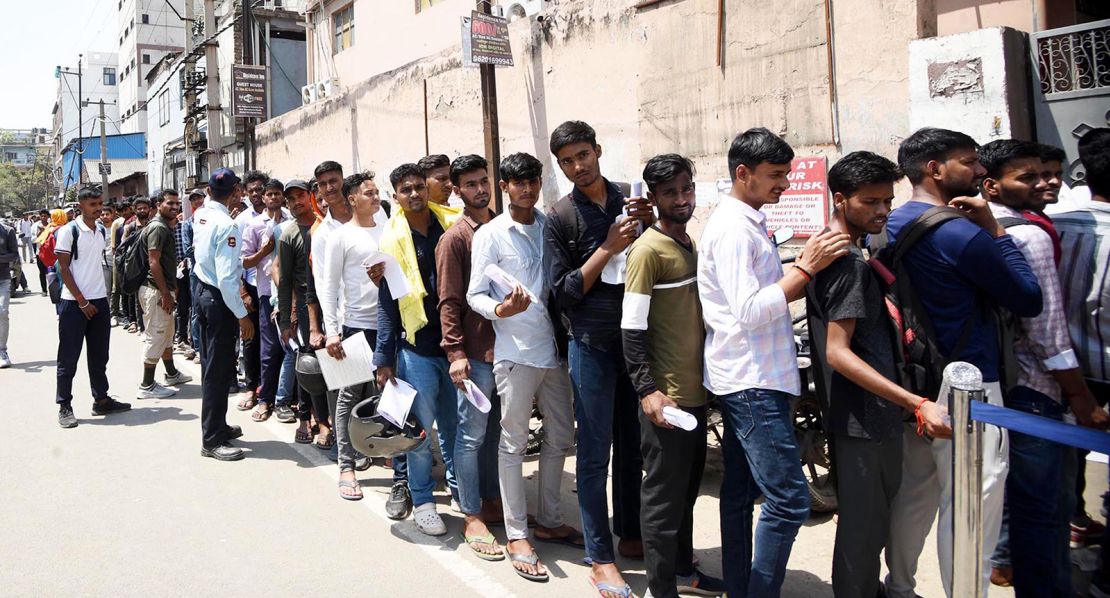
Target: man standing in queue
{"x":219,"y":305}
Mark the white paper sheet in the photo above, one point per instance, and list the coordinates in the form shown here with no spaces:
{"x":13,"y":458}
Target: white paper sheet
{"x":506,"y":282}
{"x":679,"y":418}
{"x":476,"y":397}
{"x":356,"y":368}
{"x":396,"y":402}
{"x":398,"y":284}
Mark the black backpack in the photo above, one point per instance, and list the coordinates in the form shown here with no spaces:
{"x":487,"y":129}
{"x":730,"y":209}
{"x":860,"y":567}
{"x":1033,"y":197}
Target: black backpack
{"x":919,"y":361}
{"x":133,"y":261}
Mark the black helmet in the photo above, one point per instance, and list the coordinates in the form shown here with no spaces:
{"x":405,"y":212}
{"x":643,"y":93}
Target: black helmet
{"x":309,"y":375}
{"x":375,"y":436}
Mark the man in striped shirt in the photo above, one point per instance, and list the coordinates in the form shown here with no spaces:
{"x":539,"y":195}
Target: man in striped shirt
{"x":751,"y":363}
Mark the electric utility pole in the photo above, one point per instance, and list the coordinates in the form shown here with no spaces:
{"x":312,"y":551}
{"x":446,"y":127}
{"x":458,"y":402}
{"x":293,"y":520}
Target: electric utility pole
{"x":212,"y":89}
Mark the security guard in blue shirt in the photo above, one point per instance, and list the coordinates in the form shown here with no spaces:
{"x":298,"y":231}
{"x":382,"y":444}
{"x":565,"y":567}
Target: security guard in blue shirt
{"x":218,"y":303}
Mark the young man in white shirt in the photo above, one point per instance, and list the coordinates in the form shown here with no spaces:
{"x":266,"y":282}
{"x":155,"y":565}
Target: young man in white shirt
{"x":83,"y":316}
{"x":529,"y":363}
{"x":346,"y":280}
{"x":751,"y":363}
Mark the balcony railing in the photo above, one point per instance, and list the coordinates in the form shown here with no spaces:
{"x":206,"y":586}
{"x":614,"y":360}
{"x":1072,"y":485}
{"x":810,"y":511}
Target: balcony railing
{"x":1074,"y":60}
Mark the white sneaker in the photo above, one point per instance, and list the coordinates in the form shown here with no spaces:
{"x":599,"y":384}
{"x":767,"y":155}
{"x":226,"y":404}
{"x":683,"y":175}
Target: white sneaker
{"x":178,"y":379}
{"x":428,"y":521}
{"x":157,"y":391}
{"x":5,"y":360}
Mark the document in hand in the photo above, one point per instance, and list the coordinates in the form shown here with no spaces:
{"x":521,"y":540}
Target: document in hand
{"x":476,"y":397}
{"x":506,"y":282}
{"x":398,"y":284}
{"x":679,"y":418}
{"x":396,"y":402}
{"x":614,"y":271}
{"x":356,"y":367}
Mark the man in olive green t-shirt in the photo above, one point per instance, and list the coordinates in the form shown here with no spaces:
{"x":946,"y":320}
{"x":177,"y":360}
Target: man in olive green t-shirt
{"x":156,"y":297}
{"x":663,"y":345}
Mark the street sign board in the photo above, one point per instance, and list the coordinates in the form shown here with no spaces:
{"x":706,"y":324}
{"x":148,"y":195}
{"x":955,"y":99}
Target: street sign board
{"x":489,"y":40}
{"x":805,"y":205}
{"x":105,"y":168}
{"x":248,"y":91}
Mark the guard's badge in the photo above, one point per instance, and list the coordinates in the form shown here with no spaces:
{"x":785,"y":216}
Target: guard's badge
{"x":231,"y":241}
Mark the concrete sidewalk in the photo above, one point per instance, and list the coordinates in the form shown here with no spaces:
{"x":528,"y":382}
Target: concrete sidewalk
{"x":125,"y":506}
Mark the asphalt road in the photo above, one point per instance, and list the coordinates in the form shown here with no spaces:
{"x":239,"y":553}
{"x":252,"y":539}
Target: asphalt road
{"x":125,"y":506}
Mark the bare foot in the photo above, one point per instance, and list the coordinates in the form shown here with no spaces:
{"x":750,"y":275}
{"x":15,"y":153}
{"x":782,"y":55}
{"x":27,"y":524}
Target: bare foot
{"x":563,"y":533}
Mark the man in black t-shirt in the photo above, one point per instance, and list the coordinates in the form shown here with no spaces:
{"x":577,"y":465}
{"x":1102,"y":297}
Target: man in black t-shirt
{"x":854,"y":348}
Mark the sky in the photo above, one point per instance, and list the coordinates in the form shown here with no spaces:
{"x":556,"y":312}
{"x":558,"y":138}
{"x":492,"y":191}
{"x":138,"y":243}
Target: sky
{"x":32,"y":52}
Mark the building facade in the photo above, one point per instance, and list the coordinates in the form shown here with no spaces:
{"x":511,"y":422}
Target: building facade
{"x":148,"y":30}
{"x":99,"y":82}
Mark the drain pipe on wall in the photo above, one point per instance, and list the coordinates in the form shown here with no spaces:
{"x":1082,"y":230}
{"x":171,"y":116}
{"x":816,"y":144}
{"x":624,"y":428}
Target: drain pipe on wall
{"x":830,"y":47}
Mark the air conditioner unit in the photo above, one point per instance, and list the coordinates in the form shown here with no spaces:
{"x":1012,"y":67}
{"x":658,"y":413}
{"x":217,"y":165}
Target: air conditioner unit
{"x":308,"y":94}
{"x":326,"y":87}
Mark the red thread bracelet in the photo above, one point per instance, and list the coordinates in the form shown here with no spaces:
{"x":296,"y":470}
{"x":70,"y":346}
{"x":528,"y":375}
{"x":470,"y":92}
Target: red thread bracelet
{"x":920,"y":418}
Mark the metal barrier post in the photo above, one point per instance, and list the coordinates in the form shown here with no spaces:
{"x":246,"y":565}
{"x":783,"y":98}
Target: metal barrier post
{"x":965,"y":384}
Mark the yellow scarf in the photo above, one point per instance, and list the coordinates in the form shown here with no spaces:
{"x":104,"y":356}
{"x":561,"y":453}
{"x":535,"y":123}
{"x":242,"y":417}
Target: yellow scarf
{"x":58,"y":219}
{"x":397,"y":241}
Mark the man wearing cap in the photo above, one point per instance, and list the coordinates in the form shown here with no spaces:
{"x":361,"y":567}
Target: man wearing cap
{"x":219,"y":305}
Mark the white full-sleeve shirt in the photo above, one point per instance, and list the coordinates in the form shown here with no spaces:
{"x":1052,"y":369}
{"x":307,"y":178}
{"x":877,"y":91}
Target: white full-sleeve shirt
{"x":749,"y":340}
{"x":345,"y":281}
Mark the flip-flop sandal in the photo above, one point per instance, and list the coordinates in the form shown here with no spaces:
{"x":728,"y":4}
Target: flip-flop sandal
{"x":572,"y":539}
{"x":261,"y":416}
{"x":603,"y":588}
{"x":350,"y":484}
{"x":329,"y":441}
{"x":247,"y":404}
{"x":302,"y":437}
{"x":527,"y":559}
{"x":486,"y":539}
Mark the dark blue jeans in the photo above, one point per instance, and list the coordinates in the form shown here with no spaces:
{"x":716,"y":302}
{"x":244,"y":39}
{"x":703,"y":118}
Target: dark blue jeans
{"x":272,"y":353}
{"x":75,"y":330}
{"x":1038,"y":511}
{"x":761,"y":457}
{"x":606,"y":408}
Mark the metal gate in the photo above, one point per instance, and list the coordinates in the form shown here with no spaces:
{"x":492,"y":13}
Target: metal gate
{"x":1071,"y":85}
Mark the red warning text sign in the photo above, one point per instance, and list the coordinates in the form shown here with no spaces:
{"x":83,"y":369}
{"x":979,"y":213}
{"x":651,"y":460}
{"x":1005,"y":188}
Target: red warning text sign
{"x":803,"y":207}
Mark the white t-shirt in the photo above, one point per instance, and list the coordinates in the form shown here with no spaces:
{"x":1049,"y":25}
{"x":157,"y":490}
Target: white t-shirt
{"x":87,"y":267}
{"x":345,"y":281}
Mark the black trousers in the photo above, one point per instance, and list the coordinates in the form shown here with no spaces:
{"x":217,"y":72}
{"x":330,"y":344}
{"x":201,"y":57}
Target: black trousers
{"x":75,"y":331}
{"x":252,"y":349}
{"x":184,"y":306}
{"x":673,"y":463}
{"x":219,"y":330}
{"x":42,"y":275}
{"x":868,"y":474}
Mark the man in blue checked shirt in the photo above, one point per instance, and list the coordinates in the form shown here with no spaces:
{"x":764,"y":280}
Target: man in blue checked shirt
{"x":218,"y":303}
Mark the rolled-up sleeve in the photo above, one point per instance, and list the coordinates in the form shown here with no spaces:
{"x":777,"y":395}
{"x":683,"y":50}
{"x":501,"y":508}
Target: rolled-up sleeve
{"x":229,"y":269}
{"x":565,"y":277}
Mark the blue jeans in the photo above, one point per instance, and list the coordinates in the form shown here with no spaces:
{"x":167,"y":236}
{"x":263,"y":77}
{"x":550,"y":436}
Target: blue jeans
{"x":476,"y":443}
{"x":761,"y":456}
{"x":1038,"y":511}
{"x":194,"y":322}
{"x":435,"y":403}
{"x":606,"y":408}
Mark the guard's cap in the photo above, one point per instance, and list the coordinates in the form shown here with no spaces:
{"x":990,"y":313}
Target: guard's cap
{"x":221,"y":183}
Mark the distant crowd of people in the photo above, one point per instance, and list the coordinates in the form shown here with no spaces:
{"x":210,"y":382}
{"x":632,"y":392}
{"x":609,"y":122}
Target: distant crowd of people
{"x":605,"y":313}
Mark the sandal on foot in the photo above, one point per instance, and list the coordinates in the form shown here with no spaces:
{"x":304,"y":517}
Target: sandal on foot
{"x":487,"y":539}
{"x":604,"y":588}
{"x":247,"y":404}
{"x":574,"y":539}
{"x":353,"y":484}
{"x":329,"y":441}
{"x":527,"y":559}
{"x":303,"y":437}
{"x":260,"y":415}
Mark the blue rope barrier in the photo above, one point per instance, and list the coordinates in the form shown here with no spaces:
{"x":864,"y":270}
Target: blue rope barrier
{"x":1041,"y":427}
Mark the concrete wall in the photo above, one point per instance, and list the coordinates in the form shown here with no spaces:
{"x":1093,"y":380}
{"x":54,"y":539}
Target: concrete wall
{"x":974,"y":82}
{"x":961,"y":16}
{"x":647,"y":80}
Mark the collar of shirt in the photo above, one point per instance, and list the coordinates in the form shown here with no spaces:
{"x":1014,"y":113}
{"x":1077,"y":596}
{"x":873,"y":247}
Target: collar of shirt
{"x":739,"y":206}
{"x":215,"y":205}
{"x":613,"y":194}
{"x":474,"y":224}
{"x":1099,"y":206}
{"x":84,"y":227}
{"x":1004,"y":210}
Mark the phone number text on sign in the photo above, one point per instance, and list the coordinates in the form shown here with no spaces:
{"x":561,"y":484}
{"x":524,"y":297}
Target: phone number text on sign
{"x":804,"y":206}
